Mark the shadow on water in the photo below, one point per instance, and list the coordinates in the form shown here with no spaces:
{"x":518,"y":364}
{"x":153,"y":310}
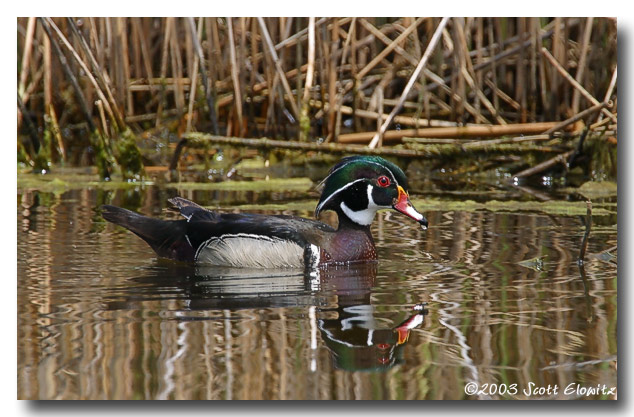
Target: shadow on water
{"x":338,"y":297}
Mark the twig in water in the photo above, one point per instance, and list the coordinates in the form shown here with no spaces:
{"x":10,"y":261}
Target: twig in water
{"x":559,"y":159}
{"x":586,"y":234}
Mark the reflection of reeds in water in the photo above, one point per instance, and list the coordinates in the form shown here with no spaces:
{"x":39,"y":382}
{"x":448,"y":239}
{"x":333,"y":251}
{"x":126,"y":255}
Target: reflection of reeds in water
{"x":303,"y":78}
{"x":86,"y":330}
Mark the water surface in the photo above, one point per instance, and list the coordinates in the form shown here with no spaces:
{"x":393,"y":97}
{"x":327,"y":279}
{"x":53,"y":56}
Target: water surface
{"x":99,"y":317}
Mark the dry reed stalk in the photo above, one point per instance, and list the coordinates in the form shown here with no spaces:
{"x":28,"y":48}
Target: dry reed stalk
{"x":557,"y":46}
{"x":609,"y":91}
{"x":387,"y":41}
{"x":559,"y":159}
{"x":600,"y":123}
{"x":194,"y":75}
{"x":169,"y":84}
{"x":147,"y":60}
{"x":440,"y":141}
{"x":574,"y":83}
{"x":215,"y":49}
{"x":203,"y":72}
{"x":242,"y":53}
{"x":304,"y":119}
{"x":385,"y":81}
{"x":163,"y":71}
{"x":452,"y":132}
{"x":34,"y":143}
{"x":278,"y":66}
{"x":274,"y":85}
{"x":458,"y":84}
{"x":412,"y":80}
{"x":410,"y":83}
{"x":353,"y":73}
{"x":30,"y":88}
{"x":111,"y":107}
{"x":491,"y":37}
{"x":532,"y":95}
{"x":193,"y":138}
{"x":45,"y":22}
{"x":135,"y":41}
{"x":55,"y":130}
{"x":581,"y":65}
{"x":501,"y":56}
{"x":445,"y":108}
{"x":298,"y":37}
{"x":189,"y":53}
{"x":520,"y":77}
{"x":479,"y":38}
{"x":341,"y":92}
{"x":378,"y":58}
{"x":379,"y":112}
{"x":516,"y":139}
{"x":332,"y":81}
{"x":235,"y":73}
{"x":469,"y":75}
{"x":543,"y":81}
{"x":299,"y":54}
{"x":177,"y":65}
{"x":482,"y":97}
{"x":501,"y":94}
{"x":254,"y":52}
{"x":26,"y":55}
{"x":123,"y":41}
{"x":587,"y":112}
{"x":102,"y":118}
{"x":48,"y":74}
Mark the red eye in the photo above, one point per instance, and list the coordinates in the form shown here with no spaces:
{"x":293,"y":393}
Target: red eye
{"x":383,"y":181}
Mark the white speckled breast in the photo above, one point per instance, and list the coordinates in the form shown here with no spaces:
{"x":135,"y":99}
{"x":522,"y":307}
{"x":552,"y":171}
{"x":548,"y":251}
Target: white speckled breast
{"x":250,"y":251}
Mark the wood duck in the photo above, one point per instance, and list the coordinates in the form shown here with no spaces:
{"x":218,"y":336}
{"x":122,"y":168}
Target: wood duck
{"x":356,"y":188}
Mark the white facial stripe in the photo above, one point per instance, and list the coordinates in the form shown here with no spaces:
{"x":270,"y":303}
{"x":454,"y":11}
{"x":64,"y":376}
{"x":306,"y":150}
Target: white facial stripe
{"x":371,"y":202}
{"x":341,"y":189}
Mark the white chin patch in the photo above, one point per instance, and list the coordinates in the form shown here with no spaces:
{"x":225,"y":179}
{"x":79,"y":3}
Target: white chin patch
{"x":363,"y":217}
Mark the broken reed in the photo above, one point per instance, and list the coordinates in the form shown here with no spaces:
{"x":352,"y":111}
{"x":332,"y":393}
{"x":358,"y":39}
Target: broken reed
{"x":299,"y":78}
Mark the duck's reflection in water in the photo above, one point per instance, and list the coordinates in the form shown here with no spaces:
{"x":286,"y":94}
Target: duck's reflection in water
{"x":357,"y":336}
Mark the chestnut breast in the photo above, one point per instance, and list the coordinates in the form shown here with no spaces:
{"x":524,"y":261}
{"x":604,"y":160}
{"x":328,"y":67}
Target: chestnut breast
{"x":348,"y":246}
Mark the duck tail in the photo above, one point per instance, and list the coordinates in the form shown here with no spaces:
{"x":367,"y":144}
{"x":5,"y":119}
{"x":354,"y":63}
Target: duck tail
{"x":166,"y":237}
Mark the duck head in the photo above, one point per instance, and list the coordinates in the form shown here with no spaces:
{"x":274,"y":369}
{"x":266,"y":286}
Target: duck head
{"x":358,"y":186}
